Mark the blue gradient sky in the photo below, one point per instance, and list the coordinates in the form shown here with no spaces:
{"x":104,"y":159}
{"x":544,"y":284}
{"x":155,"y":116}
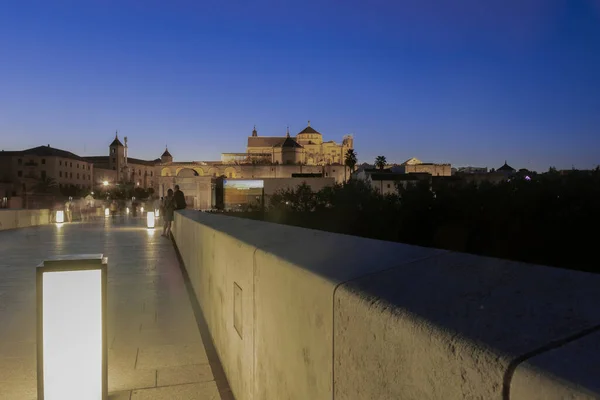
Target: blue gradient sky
{"x":460,"y":81}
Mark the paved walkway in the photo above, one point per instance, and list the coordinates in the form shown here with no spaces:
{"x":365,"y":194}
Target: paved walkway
{"x":155,"y":346}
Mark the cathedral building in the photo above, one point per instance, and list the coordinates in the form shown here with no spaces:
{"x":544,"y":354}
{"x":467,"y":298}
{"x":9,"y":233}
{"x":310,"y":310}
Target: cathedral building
{"x":307,"y":148}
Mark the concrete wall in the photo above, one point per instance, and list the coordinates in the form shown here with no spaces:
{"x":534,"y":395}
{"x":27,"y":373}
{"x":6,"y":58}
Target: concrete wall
{"x":11,"y":218}
{"x":302,"y":314}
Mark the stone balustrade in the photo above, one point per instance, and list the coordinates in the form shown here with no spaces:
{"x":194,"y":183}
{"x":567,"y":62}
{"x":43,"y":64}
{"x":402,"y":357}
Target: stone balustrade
{"x":303,"y":314}
{"x":21,"y":218}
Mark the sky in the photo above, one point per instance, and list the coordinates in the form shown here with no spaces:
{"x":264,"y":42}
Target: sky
{"x":466,"y":82}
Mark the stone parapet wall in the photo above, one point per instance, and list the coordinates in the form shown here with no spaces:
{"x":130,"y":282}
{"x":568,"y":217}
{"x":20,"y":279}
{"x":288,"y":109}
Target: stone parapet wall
{"x":21,"y":218}
{"x":303,"y":314}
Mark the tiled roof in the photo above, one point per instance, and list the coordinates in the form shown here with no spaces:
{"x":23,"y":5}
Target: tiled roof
{"x":309,"y":129}
{"x":105,"y":159}
{"x":166,"y":153}
{"x":289,"y":142}
{"x":51,"y":152}
{"x":264,"y":141}
{"x":506,"y":167}
{"x":131,"y":160}
{"x":116,"y":142}
{"x":412,"y":161}
{"x":97,"y":159}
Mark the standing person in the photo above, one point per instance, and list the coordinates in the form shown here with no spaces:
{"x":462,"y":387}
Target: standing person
{"x":168,"y":209}
{"x":179,"y":199}
{"x":69,"y":210}
{"x":113,"y":209}
{"x":83,"y":209}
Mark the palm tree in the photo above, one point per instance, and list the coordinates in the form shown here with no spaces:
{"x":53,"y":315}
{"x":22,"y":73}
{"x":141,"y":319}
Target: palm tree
{"x":46,"y":185}
{"x":350,"y":161}
{"x":380,"y":162}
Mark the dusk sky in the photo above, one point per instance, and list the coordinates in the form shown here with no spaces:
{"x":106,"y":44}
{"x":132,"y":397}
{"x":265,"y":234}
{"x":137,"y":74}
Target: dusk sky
{"x":469,"y":82}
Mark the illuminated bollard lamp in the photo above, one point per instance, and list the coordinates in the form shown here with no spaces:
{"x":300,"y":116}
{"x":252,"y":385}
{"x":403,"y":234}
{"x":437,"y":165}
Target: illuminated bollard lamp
{"x":150,"y":219}
{"x":60,"y":217}
{"x":71,"y":328}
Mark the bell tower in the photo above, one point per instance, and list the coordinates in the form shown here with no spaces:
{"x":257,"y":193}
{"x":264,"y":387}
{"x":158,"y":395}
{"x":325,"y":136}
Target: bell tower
{"x":116,"y":156}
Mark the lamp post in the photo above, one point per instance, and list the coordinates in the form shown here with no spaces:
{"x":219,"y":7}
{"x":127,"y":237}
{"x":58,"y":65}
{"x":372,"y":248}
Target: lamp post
{"x":71,"y":328}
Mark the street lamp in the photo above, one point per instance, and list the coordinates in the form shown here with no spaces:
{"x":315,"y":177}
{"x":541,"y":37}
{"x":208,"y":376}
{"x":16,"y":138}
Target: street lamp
{"x":105,"y":183}
{"x":71,"y":328}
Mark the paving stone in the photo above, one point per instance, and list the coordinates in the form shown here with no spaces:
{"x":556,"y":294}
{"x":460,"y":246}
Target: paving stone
{"x":126,"y":395}
{"x":184,"y":374}
{"x":18,"y":350}
{"x":172,"y":355}
{"x":120,"y":378}
{"x":150,"y":321}
{"x":156,"y":337}
{"x":193,"y":391}
{"x":18,"y":389}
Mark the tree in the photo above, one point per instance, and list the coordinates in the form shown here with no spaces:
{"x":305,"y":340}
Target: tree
{"x":350,"y":161}
{"x":380,"y":162}
{"x":46,"y":185}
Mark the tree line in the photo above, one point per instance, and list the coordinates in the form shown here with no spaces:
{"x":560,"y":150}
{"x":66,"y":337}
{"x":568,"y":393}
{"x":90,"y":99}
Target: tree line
{"x":550,"y":218}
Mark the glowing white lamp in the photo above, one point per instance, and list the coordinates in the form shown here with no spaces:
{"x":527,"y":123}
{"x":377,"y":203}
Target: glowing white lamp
{"x":150,"y":219}
{"x":142,"y":210}
{"x":71,"y":328}
{"x":157,"y":212}
{"x":106,"y":212}
{"x":60,"y":217}
{"x":127,"y":210}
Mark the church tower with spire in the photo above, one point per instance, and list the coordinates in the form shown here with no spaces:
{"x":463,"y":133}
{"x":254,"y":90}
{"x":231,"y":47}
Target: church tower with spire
{"x":116,"y":157}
